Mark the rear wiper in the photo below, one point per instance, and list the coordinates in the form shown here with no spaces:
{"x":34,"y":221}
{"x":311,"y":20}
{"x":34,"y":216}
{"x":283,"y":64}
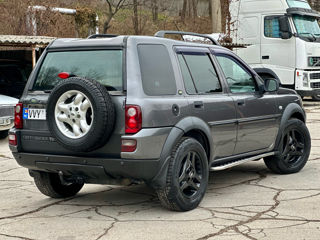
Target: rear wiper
{"x":47,"y":91}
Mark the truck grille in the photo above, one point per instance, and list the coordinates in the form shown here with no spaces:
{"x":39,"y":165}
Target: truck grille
{"x":315,"y":85}
{"x":6,"y":111}
{"x":314,"y":75}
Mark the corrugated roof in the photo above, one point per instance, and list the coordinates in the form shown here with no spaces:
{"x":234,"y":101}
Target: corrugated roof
{"x":25,"y":41}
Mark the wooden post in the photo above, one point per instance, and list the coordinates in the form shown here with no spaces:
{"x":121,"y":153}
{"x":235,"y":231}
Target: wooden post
{"x":216,"y":16}
{"x":34,"y":58}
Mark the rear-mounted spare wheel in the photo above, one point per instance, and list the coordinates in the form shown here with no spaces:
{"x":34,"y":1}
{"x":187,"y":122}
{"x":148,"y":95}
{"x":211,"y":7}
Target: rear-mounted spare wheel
{"x":80,"y":114}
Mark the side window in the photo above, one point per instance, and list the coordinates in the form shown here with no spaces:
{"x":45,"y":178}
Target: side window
{"x":156,"y":70}
{"x":272,"y":27}
{"x":199,"y":73}
{"x":238,"y":78}
{"x":188,"y":82}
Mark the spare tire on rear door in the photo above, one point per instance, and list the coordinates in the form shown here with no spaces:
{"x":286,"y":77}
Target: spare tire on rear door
{"x":80,"y":114}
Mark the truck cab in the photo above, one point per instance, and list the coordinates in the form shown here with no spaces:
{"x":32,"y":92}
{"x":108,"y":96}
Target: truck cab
{"x":284,"y":41}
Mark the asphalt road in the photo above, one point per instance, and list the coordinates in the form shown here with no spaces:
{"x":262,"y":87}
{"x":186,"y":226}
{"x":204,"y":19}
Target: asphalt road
{"x":245,"y":202}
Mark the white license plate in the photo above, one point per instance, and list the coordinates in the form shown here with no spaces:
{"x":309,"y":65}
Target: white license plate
{"x":34,"y":113}
{"x":4,"y":121}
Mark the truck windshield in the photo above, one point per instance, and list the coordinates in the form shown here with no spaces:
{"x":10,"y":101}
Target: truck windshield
{"x":298,"y":3}
{"x":307,"y":26}
{"x":104,"y":66}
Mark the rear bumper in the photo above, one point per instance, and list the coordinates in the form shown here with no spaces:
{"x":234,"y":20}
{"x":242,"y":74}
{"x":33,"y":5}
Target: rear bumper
{"x":93,"y":170}
{"x":6,"y":123}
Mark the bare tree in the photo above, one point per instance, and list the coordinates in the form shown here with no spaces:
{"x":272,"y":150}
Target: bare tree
{"x":135,"y":17}
{"x":155,"y":9}
{"x":190,"y":9}
{"x":195,"y":8}
{"x":113,"y":7}
{"x":184,"y":10}
{"x":315,"y":4}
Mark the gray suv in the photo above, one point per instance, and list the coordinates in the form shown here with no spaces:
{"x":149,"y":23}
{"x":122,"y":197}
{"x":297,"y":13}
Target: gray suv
{"x":127,"y":109}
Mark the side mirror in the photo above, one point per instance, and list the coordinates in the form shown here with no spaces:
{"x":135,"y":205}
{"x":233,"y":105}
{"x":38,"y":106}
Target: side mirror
{"x":271,"y":85}
{"x":285,"y":31}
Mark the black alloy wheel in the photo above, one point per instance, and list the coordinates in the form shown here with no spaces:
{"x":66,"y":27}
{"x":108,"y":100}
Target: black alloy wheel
{"x":293,"y":150}
{"x":187,"y":176}
{"x":293,"y":147}
{"x":190,"y":175}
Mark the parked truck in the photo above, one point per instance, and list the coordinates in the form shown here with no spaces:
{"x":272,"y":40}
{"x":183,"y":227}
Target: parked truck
{"x":284,"y":41}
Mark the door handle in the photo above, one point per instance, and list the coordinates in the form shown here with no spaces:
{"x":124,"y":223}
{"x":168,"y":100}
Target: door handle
{"x":265,"y":57}
{"x":241,"y":102}
{"x":198,"y":104}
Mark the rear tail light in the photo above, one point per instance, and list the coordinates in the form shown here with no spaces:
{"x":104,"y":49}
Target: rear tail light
{"x":133,"y":119}
{"x":12,"y":139}
{"x":128,"y":145}
{"x":18,"y":120}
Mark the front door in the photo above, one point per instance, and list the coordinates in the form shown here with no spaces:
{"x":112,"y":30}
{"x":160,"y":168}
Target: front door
{"x":256,"y":113}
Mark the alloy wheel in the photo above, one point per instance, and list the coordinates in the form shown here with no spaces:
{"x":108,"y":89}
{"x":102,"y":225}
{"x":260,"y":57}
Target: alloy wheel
{"x":74,"y":114}
{"x":190,"y":174}
{"x":293,"y":147}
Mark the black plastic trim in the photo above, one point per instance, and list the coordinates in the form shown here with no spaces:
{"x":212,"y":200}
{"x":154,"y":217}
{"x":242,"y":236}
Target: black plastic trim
{"x":303,"y":12}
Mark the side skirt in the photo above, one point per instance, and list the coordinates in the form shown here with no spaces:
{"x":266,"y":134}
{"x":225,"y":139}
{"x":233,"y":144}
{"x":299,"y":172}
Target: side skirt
{"x":233,"y":163}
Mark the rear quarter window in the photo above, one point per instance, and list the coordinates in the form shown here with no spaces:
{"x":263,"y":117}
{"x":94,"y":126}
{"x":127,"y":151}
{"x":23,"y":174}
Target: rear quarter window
{"x":156,"y":70}
{"x":104,"y":66}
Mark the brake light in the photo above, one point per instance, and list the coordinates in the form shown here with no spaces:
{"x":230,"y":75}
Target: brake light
{"x":12,"y":139}
{"x":133,"y":119}
{"x":63,"y":75}
{"x":18,"y":121}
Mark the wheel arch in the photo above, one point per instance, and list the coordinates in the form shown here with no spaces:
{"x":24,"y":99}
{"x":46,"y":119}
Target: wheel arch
{"x":190,"y":127}
{"x":293,"y":110}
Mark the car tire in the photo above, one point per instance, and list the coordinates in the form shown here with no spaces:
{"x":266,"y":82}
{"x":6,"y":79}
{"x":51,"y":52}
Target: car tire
{"x":3,"y":134}
{"x":98,"y":115}
{"x":316,"y":97}
{"x":294,"y":149}
{"x":187,"y":176}
{"x":50,"y":185}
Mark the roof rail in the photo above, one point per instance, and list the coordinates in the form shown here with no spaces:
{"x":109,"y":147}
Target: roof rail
{"x":163,"y":33}
{"x":102,"y":36}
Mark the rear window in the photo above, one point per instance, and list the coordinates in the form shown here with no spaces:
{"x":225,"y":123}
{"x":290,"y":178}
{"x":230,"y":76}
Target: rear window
{"x":104,"y":66}
{"x":156,"y":70}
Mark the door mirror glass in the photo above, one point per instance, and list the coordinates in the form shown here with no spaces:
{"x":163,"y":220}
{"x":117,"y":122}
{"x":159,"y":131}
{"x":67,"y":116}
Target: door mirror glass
{"x":271,"y":85}
{"x":285,"y":31}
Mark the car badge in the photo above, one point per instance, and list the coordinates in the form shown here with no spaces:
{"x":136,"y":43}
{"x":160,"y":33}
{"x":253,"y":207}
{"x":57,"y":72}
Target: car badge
{"x":33,"y":100}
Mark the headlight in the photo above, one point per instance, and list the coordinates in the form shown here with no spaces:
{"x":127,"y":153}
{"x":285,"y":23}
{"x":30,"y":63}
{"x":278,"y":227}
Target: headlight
{"x":305,"y":80}
{"x":313,"y":61}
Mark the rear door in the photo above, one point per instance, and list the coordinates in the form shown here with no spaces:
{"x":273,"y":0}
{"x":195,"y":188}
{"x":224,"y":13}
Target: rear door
{"x":103,"y":65}
{"x":256,"y":113}
{"x":207,"y":97}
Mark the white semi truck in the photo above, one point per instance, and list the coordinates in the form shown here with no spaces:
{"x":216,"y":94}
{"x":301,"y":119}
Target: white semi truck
{"x":284,"y":41}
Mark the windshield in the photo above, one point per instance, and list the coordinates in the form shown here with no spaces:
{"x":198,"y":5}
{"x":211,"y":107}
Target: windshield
{"x":104,"y":66}
{"x":298,"y":3}
{"x":306,"y":25}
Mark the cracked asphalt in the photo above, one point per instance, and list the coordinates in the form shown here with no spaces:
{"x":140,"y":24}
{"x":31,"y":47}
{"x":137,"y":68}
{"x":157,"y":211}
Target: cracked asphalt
{"x":245,"y":202}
